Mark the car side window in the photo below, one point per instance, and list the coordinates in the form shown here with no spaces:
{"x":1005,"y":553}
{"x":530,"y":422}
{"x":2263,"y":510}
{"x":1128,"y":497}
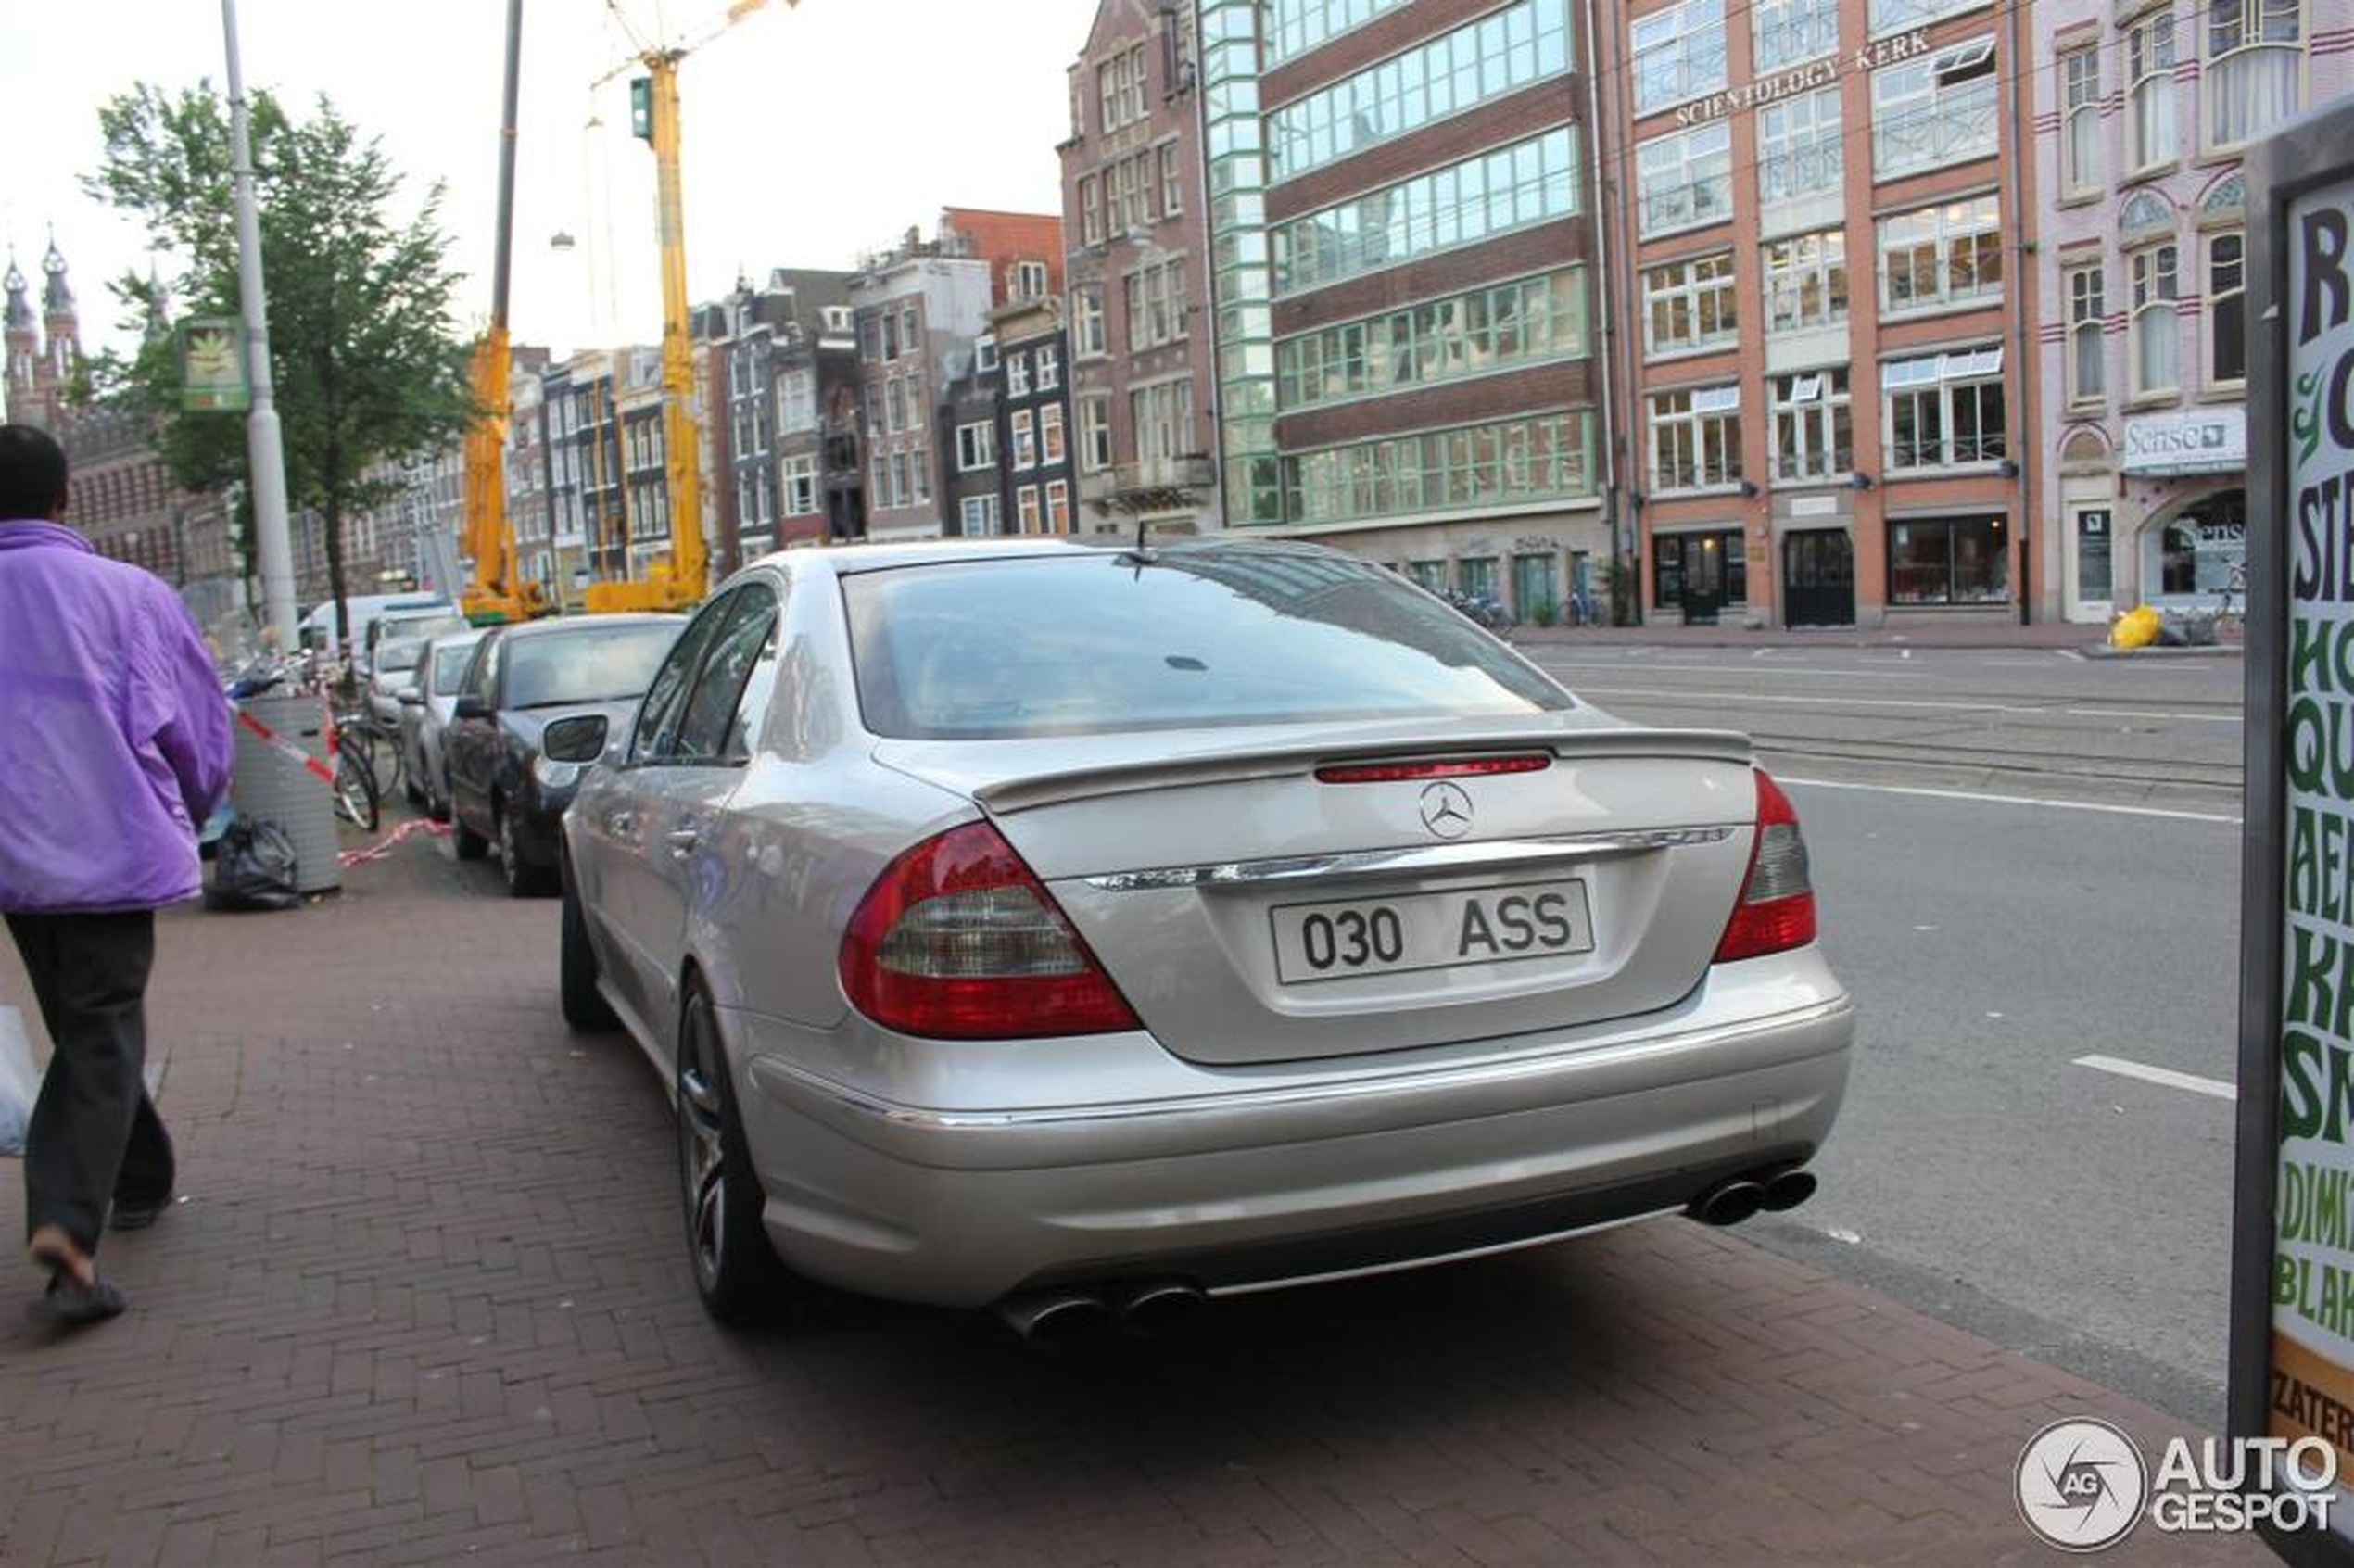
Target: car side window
{"x":656,"y":735}
{"x":703,"y":735}
{"x":482,"y":676}
{"x":752,"y":709}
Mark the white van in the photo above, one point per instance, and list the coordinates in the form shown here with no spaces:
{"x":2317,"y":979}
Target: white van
{"x":318,"y":628}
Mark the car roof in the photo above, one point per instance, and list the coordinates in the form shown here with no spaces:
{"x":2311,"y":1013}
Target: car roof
{"x":851,"y":560}
{"x":554,"y":625}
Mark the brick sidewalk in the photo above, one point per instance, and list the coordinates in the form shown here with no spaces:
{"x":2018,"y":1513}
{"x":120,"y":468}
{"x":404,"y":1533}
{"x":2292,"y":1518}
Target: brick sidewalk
{"x":427,"y":1301}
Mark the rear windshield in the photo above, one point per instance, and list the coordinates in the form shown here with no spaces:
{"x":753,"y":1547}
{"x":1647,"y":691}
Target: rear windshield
{"x":608,"y":665}
{"x":450,"y":668}
{"x":1007,"y":649}
{"x":401,"y":655}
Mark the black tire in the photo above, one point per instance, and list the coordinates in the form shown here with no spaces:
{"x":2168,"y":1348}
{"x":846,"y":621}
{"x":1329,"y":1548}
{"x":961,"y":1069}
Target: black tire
{"x":522,"y":879}
{"x":585,"y":1009}
{"x":358,"y":801}
{"x":736,"y":1273}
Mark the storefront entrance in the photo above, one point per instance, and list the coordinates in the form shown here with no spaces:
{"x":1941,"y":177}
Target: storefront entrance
{"x":1818,"y":579}
{"x":2189,"y":559}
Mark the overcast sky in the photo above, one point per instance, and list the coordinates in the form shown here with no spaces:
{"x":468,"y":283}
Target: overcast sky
{"x":811,"y":134}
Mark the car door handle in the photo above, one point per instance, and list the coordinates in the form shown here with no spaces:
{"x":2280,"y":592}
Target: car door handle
{"x":621,"y":822}
{"x":682,"y":841}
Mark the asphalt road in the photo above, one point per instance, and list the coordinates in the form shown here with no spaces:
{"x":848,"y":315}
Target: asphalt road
{"x":2077,"y":1213}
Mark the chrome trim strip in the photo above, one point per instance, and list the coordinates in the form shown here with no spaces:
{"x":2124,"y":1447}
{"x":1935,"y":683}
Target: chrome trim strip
{"x":1408,"y":857}
{"x":767,"y":1069}
{"x":1432,"y":1259}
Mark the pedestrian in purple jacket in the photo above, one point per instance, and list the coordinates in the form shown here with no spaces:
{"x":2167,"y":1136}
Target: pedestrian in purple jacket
{"x":114,"y":746}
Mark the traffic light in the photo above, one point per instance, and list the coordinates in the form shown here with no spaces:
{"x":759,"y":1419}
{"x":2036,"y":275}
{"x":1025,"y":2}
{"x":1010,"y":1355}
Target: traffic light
{"x":642,"y":107}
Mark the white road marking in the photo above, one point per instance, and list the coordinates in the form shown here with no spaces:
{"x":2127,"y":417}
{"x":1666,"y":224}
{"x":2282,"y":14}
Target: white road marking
{"x":2168,"y":1076}
{"x":2030,"y":709}
{"x":1983,"y":798}
{"x":1785,"y":668}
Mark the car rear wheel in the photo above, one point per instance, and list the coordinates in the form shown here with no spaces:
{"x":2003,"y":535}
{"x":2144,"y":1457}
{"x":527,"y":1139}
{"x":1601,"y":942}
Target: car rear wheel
{"x":584,"y":1007}
{"x":736,"y":1273}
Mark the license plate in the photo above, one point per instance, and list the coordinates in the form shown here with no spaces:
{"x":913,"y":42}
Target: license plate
{"x":1379,"y":936}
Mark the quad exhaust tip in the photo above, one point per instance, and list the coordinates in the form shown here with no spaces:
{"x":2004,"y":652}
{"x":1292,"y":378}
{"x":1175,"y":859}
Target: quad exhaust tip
{"x":1065,"y":1317}
{"x":1729,"y":1203}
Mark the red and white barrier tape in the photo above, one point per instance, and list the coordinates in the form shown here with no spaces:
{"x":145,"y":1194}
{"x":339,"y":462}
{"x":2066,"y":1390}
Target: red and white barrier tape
{"x":384,"y":845}
{"x":284,"y":747}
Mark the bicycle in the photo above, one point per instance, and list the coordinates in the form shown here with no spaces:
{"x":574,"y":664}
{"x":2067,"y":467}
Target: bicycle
{"x":358,"y":797}
{"x":2229,"y":624}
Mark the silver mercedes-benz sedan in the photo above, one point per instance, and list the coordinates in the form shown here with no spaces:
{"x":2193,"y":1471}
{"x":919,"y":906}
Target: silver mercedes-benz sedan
{"x":1088,"y":931}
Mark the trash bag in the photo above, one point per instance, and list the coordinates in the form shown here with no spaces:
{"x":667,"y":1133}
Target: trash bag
{"x":253,"y":868}
{"x":2136,"y":628}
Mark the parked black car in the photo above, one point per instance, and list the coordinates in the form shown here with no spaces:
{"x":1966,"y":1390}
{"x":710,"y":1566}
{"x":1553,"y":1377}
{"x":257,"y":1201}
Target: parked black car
{"x":524,"y":678}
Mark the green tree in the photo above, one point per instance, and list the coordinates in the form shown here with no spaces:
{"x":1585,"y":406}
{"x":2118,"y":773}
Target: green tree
{"x":367,"y":367}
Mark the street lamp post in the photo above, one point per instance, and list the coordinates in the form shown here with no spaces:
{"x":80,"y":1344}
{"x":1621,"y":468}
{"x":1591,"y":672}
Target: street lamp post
{"x":265,"y":448}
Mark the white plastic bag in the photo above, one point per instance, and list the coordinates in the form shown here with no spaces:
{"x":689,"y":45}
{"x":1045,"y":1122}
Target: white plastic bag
{"x":19,"y":1082}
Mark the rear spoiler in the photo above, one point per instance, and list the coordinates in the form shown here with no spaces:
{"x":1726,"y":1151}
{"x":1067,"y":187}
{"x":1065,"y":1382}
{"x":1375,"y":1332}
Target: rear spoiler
{"x":1278,"y":761}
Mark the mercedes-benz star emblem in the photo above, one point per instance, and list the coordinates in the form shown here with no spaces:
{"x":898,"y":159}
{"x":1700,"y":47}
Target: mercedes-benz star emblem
{"x":1447,"y":811}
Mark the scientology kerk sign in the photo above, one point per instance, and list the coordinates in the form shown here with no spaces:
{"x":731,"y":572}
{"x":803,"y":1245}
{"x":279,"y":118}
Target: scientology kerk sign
{"x":2292,"y":1350}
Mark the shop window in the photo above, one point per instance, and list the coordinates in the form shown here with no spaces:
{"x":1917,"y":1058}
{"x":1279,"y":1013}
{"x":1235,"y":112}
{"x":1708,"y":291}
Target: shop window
{"x":2197,"y":553}
{"x":1947,"y":561}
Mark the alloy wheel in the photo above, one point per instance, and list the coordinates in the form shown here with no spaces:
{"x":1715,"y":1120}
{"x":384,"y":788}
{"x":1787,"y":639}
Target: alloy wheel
{"x":702,"y":1163}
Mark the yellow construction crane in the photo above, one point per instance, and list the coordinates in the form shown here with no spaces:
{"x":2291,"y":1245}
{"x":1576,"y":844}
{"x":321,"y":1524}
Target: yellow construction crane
{"x":679,"y":579}
{"x":496,"y":590}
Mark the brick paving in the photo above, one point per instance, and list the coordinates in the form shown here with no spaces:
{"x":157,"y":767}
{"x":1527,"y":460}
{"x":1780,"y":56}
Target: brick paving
{"x":426,"y":1302}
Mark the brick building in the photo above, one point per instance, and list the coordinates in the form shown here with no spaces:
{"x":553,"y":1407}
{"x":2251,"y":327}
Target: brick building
{"x":1036,"y":445}
{"x":1143,"y":379}
{"x":1824,"y":209}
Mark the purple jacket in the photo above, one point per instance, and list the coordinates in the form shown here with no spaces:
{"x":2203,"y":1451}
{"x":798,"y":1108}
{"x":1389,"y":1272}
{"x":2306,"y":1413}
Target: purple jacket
{"x":114,"y":735}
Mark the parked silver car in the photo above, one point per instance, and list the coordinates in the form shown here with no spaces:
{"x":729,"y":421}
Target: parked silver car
{"x":426,"y":707}
{"x":1087,"y":931}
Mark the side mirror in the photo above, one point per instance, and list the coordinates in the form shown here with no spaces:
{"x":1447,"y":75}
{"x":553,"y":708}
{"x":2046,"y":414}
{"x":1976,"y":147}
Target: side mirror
{"x":411,"y":698}
{"x":577,"y":740}
{"x":470,"y":707}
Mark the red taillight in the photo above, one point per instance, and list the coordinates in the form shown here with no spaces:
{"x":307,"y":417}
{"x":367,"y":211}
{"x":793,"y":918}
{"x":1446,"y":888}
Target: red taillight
{"x":1459,"y":767}
{"x":1777,"y":907}
{"x":957,"y":939}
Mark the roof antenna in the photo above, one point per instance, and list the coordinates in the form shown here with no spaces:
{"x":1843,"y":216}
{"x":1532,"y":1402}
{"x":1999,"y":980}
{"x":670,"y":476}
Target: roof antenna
{"x":1142,"y":552}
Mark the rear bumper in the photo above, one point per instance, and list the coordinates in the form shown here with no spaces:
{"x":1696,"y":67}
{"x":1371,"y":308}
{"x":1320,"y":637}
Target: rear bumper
{"x":1240,"y":1178}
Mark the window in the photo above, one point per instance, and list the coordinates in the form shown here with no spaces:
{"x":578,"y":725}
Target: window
{"x":1087,"y":323}
{"x":835,"y":318}
{"x":976,"y":446}
{"x":1698,"y":572}
{"x":1172,"y":186}
{"x":660,"y":714}
{"x":1050,"y":434}
{"x":1025,"y":439}
{"x":1813,"y":432}
{"x":909,"y":342}
{"x":1294,"y":27}
{"x":1091,"y":209}
{"x":976,"y":516}
{"x":1695,"y":438}
{"x":711,"y":730}
{"x":1947,"y":561}
{"x":2226,"y":308}
{"x":1799,"y":146}
{"x":1161,"y":413}
{"x":1679,"y":53}
{"x":1018,"y":376}
{"x":2255,"y":55}
{"x":2081,"y":123}
{"x":1689,"y":304}
{"x":1156,"y":304}
{"x":1049,"y":362}
{"x":1509,"y":188}
{"x":1686,"y":178}
{"x":1026,"y":508}
{"x":1057,"y":505}
{"x":1489,"y":329}
{"x":984,"y":353}
{"x":1120,"y":89}
{"x":919,"y":473}
{"x":1544,"y":457}
{"x":2155,"y":285}
{"x":2149,"y":77}
{"x":1030,"y":280}
{"x":1940,"y":257}
{"x":894,"y":406}
{"x":1127,"y":184}
{"x":1500,"y":52}
{"x":1929,"y":112}
{"x":1902,"y":16}
{"x":1094,"y":434}
{"x":796,"y":401}
{"x":2087,"y":313}
{"x":1783,"y":33}
{"x":1807,"y":281}
{"x":800,"y":485}
{"x":1945,"y":411}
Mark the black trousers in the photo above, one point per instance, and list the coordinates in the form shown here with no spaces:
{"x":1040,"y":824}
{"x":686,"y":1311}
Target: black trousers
{"x":95,"y":1135}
